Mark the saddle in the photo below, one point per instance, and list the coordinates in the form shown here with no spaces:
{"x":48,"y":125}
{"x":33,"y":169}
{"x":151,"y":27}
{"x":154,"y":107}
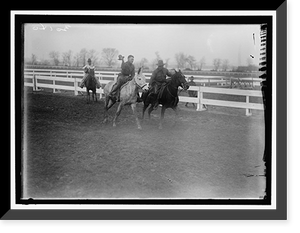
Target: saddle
{"x":89,"y":76}
{"x":160,"y":92}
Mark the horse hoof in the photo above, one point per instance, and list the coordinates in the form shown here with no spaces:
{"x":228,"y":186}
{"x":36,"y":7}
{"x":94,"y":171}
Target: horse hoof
{"x":139,"y":128}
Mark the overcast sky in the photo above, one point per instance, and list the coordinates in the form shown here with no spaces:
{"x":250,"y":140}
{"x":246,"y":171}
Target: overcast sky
{"x":199,"y":40}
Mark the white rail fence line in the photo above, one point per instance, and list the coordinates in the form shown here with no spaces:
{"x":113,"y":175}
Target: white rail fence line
{"x":73,"y":78}
{"x":104,"y":75}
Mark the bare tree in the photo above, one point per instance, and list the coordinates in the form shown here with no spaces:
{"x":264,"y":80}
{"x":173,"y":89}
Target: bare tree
{"x":142,"y":62}
{"x":109,"y":56}
{"x":76,"y":59}
{"x":55,"y":56}
{"x":225,"y":64}
{"x":202,"y":63}
{"x":33,"y":59}
{"x":167,"y":62}
{"x":157,"y":56}
{"x":154,"y":62}
{"x":216,"y":63}
{"x":93,"y":55}
{"x":191,"y":61}
{"x":83,"y":56}
{"x":67,"y":58}
{"x":181,"y":60}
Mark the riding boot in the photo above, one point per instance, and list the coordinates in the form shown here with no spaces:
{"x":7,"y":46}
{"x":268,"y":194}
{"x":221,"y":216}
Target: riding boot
{"x":114,"y":90}
{"x":156,"y":93}
{"x":83,"y":80}
{"x":120,"y":81}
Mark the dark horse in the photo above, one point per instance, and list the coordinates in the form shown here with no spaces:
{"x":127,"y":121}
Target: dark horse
{"x":168,"y":96}
{"x":90,"y":84}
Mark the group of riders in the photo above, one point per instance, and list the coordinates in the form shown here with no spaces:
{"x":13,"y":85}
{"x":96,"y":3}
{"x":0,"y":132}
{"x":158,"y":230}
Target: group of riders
{"x":158,"y":77}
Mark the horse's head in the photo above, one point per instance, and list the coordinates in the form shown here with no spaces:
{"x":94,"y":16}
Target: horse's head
{"x":140,"y":79}
{"x":179,"y":77}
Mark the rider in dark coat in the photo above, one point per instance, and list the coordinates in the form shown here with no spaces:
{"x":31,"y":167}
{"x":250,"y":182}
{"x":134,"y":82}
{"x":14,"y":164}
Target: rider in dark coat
{"x":157,"y":79}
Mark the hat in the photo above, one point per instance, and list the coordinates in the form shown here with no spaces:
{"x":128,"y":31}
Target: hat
{"x":89,"y":60}
{"x":160,"y":63}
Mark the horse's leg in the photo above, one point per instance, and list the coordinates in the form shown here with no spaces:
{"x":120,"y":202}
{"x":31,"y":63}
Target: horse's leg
{"x":144,"y":109}
{"x":151,"y":107}
{"x":176,"y":115}
{"x":105,"y":109}
{"x":133,"y":107}
{"x":94,"y":95}
{"x":150,"y":110}
{"x":107,"y":105}
{"x":162,"y":115}
{"x":117,"y":113}
{"x":88,"y":95}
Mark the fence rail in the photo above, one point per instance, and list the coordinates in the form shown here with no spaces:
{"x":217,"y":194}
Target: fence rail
{"x":70,"y":79}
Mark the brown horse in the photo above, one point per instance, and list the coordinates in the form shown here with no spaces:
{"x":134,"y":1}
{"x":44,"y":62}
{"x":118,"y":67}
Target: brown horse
{"x":168,"y":96}
{"x":128,"y":96}
{"x":90,"y":84}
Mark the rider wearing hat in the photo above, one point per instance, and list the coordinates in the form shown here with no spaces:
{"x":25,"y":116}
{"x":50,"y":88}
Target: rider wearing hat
{"x":89,"y":69}
{"x":127,"y":73}
{"x":191,"y":93}
{"x":158,"y":78}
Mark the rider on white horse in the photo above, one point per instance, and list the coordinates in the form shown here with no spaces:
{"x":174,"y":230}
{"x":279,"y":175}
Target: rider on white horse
{"x":127,"y":73}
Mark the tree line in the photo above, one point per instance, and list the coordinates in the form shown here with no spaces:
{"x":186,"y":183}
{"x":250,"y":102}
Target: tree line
{"x":108,"y":58}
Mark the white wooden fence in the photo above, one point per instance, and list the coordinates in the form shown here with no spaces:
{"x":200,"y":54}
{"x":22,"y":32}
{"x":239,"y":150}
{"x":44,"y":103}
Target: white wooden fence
{"x":70,"y":79}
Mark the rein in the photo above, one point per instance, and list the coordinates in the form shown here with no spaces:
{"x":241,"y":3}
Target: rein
{"x":138,"y":84}
{"x":170,"y":92}
{"x":174,"y":88}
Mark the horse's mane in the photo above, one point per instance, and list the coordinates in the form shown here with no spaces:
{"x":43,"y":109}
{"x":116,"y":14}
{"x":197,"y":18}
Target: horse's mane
{"x":139,"y":70}
{"x":175,"y":75}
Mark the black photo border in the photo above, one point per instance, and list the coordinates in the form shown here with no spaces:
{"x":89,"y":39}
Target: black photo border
{"x":137,"y":214}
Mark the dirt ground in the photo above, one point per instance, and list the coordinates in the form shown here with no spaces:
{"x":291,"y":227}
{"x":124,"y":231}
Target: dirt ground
{"x":69,"y":153}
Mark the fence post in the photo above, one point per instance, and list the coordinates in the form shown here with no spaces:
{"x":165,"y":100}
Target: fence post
{"x":115,"y":77}
{"x":200,"y":97}
{"x":75,"y":86}
{"x":101,"y":90}
{"x":34,"y":83}
{"x":53,"y":81}
{"x":248,"y":111}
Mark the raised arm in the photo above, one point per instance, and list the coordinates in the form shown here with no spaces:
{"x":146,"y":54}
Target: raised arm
{"x":169,"y":73}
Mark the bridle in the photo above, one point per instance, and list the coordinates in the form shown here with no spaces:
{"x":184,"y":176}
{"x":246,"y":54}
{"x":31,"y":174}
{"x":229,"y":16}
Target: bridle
{"x":182,"y":84}
{"x":138,"y":84}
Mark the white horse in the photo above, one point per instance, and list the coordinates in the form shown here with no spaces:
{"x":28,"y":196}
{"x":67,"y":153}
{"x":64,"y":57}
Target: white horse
{"x":128,"y":96}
